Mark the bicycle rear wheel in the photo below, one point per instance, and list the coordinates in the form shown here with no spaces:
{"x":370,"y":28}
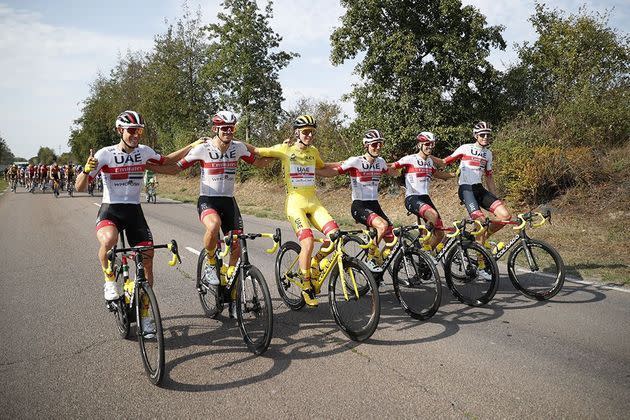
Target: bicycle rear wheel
{"x":210,"y":296}
{"x":287,"y":273}
{"x":536,"y":269}
{"x":357,"y":317}
{"x":151,"y":340}
{"x":464,"y":276}
{"x":417,"y":283}
{"x":254,"y":311}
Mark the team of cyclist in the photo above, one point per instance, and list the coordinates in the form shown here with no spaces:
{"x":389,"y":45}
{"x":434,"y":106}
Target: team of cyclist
{"x":32,"y":176}
{"x":123,"y":165}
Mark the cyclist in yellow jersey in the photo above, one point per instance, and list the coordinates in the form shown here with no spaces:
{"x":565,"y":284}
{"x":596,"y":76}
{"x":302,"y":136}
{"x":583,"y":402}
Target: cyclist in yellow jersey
{"x":300,"y":162}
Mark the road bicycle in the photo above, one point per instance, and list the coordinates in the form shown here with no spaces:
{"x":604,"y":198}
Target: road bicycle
{"x":415,"y":277}
{"x":91,"y":186}
{"x":139,"y":302}
{"x":151,"y":193}
{"x":535,"y":268}
{"x":55,"y":186}
{"x":243,"y":287}
{"x":13,"y":184}
{"x":464,"y":261}
{"x":352,"y":291}
{"x":70,"y":187}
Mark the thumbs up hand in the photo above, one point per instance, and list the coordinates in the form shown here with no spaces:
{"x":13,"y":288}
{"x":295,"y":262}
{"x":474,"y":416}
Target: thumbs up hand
{"x":91,"y":163}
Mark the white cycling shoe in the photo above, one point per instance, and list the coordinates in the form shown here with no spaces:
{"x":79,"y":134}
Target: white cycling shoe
{"x":110,"y":290}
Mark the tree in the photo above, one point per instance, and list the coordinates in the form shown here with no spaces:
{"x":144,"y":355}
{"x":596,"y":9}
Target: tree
{"x":572,"y":52}
{"x":175,"y":97}
{"x":6,"y":156}
{"x":46,"y":155}
{"x":425,"y":65}
{"x":242,"y":67}
{"x":574,"y":77}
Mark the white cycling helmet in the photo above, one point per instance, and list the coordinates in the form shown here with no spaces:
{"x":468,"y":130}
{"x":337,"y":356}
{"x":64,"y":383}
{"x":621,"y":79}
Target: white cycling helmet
{"x":372,"y":136}
{"x":130,"y":119}
{"x":224,"y":118}
{"x":426,"y":137}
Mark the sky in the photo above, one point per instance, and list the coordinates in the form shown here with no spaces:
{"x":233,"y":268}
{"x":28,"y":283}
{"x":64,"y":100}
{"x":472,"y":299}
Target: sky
{"x":50,"y":52}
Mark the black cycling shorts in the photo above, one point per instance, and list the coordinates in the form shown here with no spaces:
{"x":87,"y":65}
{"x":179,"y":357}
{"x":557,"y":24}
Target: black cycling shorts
{"x":474,"y":196}
{"x":414,"y":204}
{"x":127,"y":217}
{"x":225,"y":207}
{"x":364,"y":211}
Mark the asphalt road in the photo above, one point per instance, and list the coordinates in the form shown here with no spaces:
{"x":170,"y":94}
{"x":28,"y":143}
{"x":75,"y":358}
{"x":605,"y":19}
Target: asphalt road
{"x":61,"y":355}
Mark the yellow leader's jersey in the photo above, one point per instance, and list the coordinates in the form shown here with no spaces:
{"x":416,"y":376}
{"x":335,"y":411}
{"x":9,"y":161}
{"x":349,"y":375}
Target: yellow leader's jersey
{"x":298,"y":166}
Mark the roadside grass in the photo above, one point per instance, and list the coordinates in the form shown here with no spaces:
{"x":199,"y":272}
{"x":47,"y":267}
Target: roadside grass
{"x":3,"y":184}
{"x":588,"y":226}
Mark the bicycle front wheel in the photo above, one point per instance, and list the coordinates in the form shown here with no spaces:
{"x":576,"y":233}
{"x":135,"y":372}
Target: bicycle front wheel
{"x":121,"y":308}
{"x":210,"y":296}
{"x":417,"y":283}
{"x":254,"y":312}
{"x":351,"y":247}
{"x":150,"y":334}
{"x":536,"y":269}
{"x":287,"y":275}
{"x":471,"y":273}
{"x":357,"y":315}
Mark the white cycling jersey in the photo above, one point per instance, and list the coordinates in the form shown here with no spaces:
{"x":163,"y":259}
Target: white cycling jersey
{"x":418,"y":174}
{"x":474,"y":162}
{"x":364,"y":176}
{"x":218,"y":170}
{"x":123,"y":172}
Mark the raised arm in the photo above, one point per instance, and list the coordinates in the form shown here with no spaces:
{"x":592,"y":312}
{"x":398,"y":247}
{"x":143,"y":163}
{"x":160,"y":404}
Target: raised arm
{"x":329,"y":170}
{"x":174,"y":157}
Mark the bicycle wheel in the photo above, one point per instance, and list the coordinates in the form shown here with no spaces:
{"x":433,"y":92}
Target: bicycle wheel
{"x":254,"y":312}
{"x":538,"y":271}
{"x":417,"y":283}
{"x":463,"y":275}
{"x":151,"y":342}
{"x":287,"y":272}
{"x":121,"y":308}
{"x":210,"y":296}
{"x":357,"y":317}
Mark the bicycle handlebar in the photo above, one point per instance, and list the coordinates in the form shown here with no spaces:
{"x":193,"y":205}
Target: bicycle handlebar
{"x":529,"y":217}
{"x":461,"y":226}
{"x":276,"y":237}
{"x":172,"y":246}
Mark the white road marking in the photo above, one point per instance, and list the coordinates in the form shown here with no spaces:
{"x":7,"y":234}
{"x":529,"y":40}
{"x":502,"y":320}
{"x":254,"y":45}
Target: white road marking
{"x":96,"y":204}
{"x":193,"y":250}
{"x":599,"y":286}
{"x":588,"y":283}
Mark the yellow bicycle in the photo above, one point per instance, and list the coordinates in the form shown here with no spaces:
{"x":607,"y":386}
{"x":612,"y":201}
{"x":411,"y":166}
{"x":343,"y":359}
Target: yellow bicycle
{"x":352,"y":290}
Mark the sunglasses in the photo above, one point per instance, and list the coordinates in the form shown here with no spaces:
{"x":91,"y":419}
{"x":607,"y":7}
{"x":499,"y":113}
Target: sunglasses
{"x":307,"y":131}
{"x":485,"y":135}
{"x":135,"y":130}
{"x":376,"y":144}
{"x":227,"y":128}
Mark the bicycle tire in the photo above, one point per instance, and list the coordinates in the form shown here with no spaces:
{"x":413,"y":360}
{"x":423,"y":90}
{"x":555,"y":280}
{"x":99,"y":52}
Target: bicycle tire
{"x":151,"y":348}
{"x":540,"y":287}
{"x":287,"y":266}
{"x":420,"y":292}
{"x":123,"y":321}
{"x":210,"y":296}
{"x":254,"y":312}
{"x":361,"y":326}
{"x":466,"y":286}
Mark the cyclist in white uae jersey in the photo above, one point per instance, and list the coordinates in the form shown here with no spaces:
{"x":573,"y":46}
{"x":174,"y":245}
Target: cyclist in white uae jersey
{"x":365,"y":174}
{"x":475,"y":162}
{"x":218,"y":157}
{"x":419,"y":169}
{"x":122,"y":167}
